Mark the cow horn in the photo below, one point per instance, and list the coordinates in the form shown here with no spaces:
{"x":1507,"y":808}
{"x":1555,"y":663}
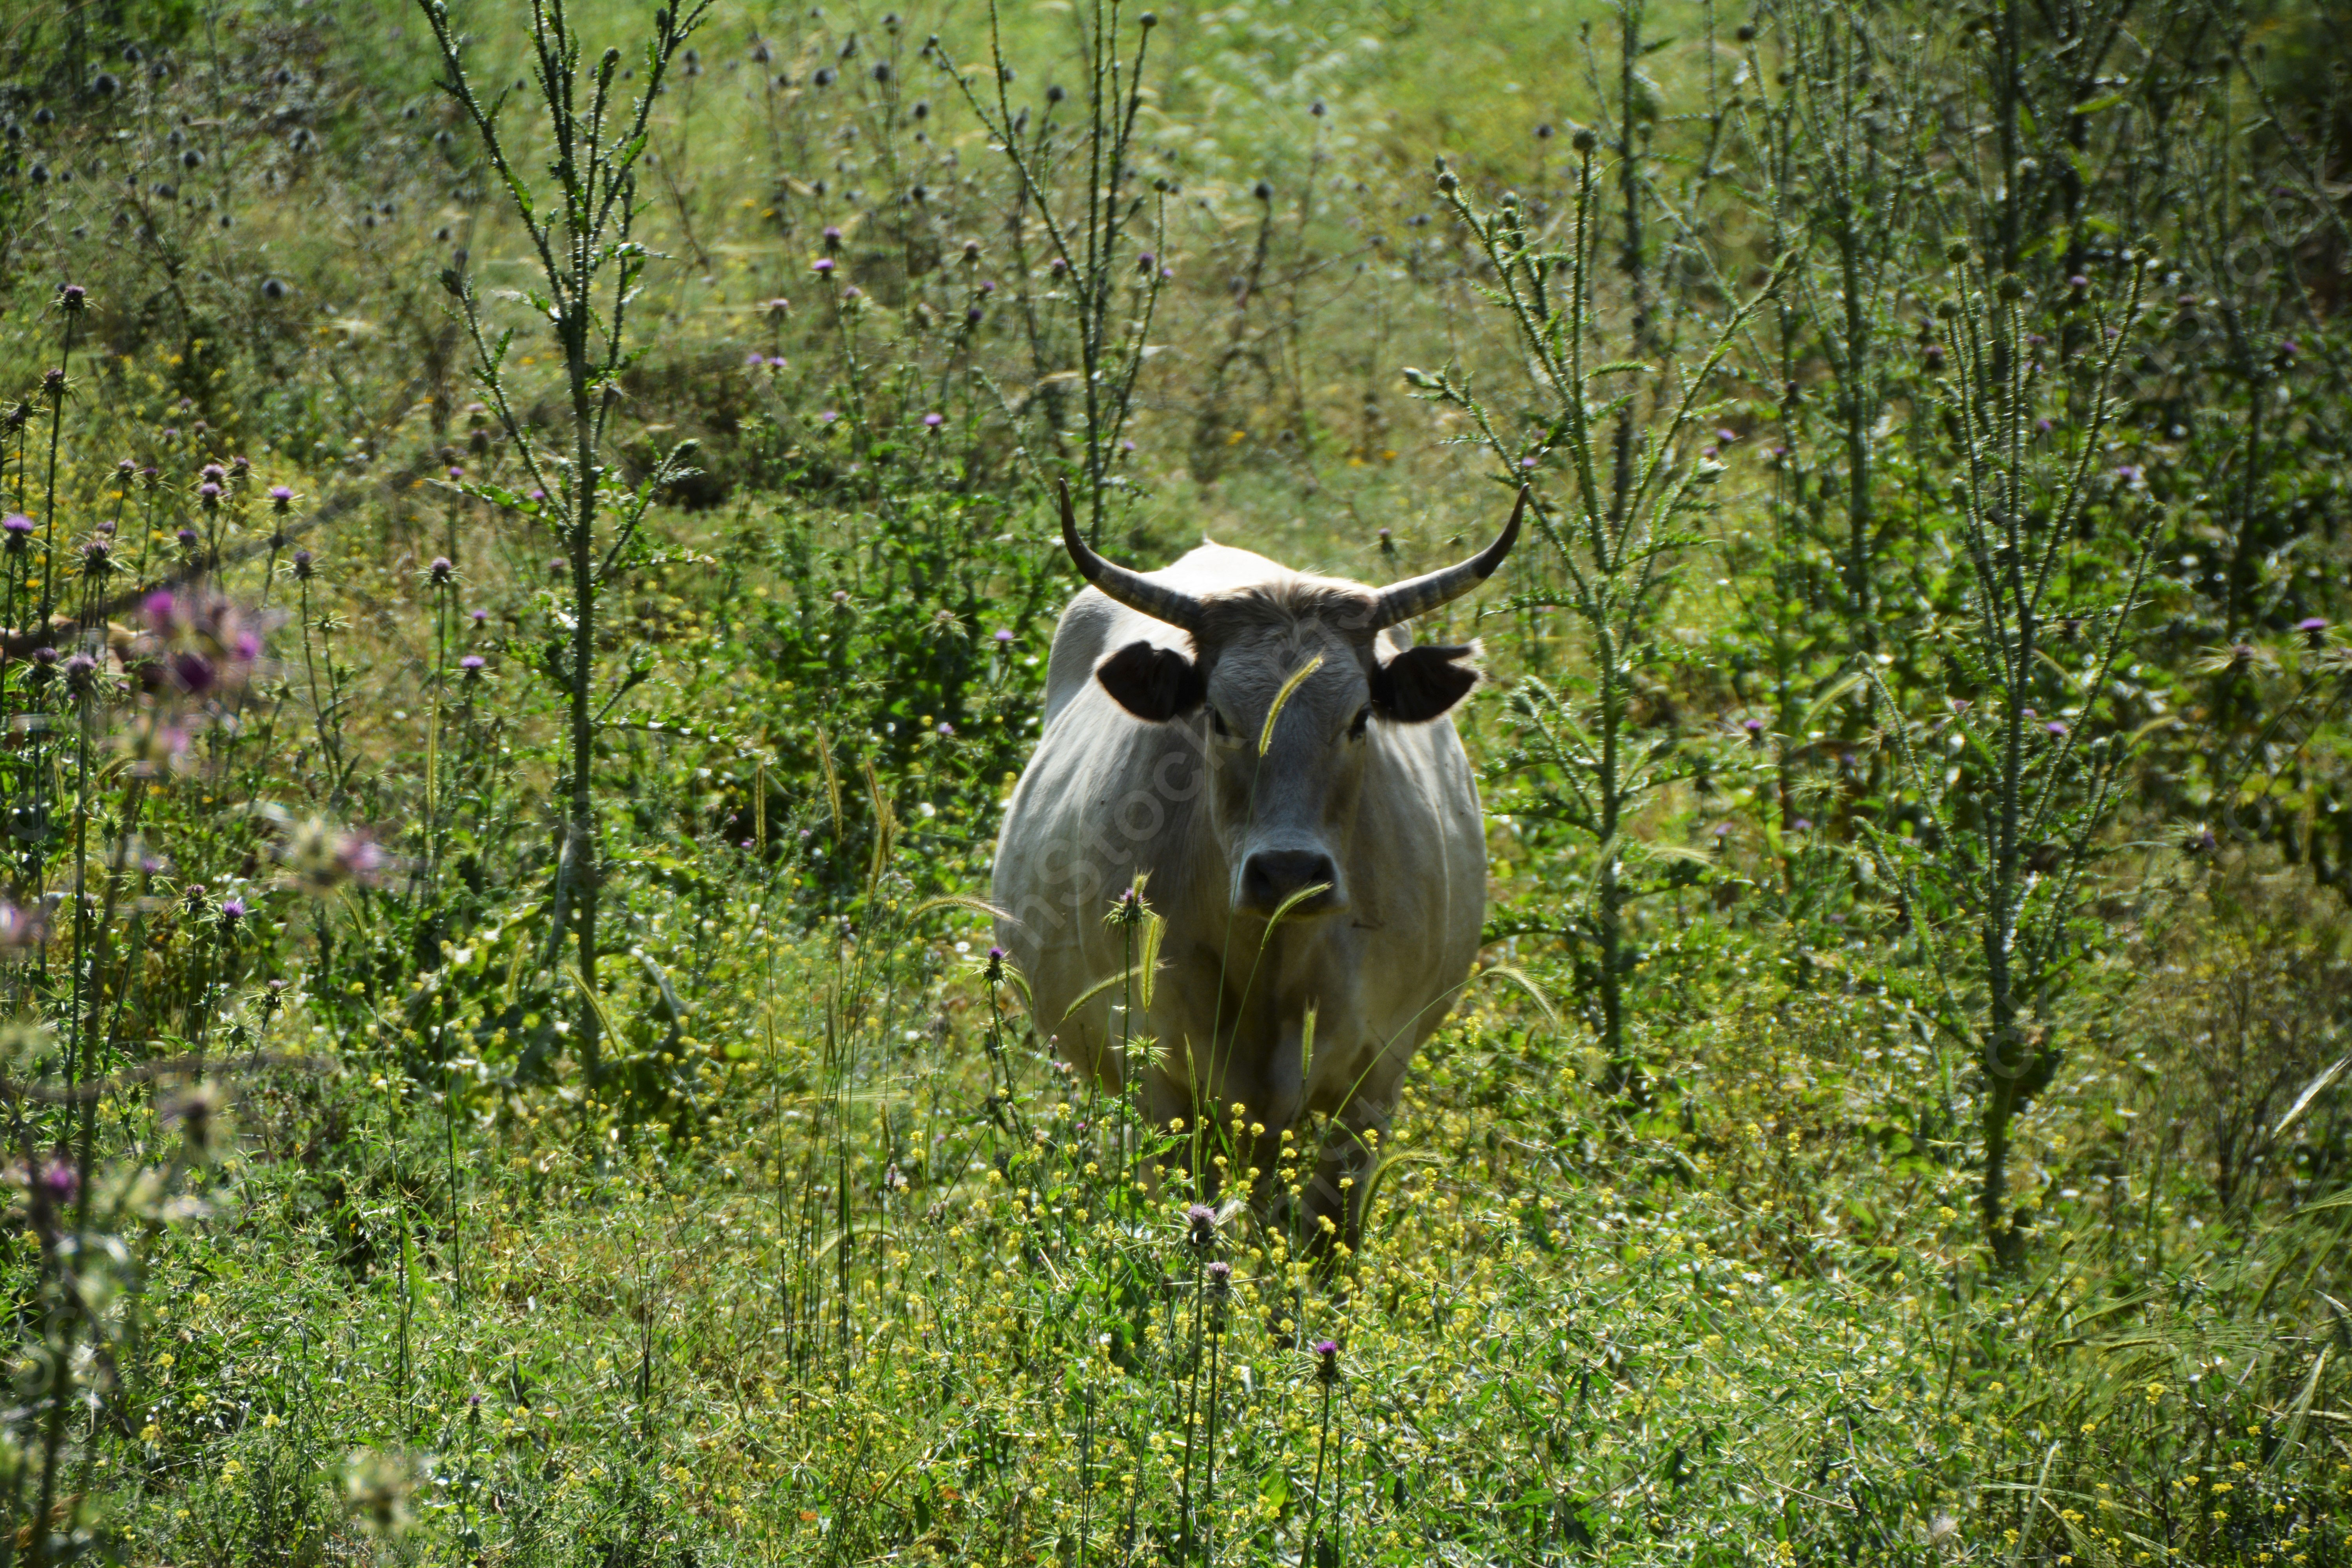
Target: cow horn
{"x":1133,"y":589}
{"x":1419,"y":595}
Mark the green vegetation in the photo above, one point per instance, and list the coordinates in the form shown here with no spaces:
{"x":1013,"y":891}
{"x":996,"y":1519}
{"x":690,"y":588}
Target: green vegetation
{"x":522,"y":603}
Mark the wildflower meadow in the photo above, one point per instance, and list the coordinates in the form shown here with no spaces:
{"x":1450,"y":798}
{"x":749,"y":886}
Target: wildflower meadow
{"x":532,"y":538}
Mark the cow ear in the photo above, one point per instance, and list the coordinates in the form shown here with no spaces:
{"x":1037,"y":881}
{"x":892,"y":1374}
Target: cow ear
{"x":1155,"y":684}
{"x":1421,"y":683}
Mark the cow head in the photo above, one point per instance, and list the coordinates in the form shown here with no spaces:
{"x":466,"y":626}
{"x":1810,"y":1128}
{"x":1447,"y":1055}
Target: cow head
{"x":1284,"y":683}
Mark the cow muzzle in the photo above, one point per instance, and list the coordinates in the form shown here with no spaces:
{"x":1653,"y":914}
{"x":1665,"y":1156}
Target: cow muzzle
{"x":1270,"y":877}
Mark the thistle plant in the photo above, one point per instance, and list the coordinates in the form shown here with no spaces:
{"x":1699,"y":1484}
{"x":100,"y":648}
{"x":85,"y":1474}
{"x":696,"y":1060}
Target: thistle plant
{"x":1839,"y":156}
{"x":590,"y":266}
{"x":1637,"y":486}
{"x":1996,"y":873}
{"x":1092,"y":254}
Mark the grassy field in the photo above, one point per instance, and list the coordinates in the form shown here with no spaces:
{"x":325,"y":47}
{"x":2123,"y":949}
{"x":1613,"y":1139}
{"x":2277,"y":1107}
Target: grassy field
{"x":509,"y":707}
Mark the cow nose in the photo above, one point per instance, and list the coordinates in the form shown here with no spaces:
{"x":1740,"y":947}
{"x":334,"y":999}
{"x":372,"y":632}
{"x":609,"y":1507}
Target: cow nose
{"x":1271,"y":876}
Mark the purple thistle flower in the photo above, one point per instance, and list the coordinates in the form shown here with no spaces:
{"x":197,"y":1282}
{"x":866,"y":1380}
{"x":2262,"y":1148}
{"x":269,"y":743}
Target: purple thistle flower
{"x":232,"y":910}
{"x":1201,"y":1225}
{"x":2078,"y":281}
{"x":946,"y":731}
{"x":755,"y":359}
{"x":2055,"y":726}
{"x":281,"y":497}
{"x":441,"y":572}
{"x":193,"y":673}
{"x":933,"y":421}
{"x":18,"y":531}
{"x":188,"y":538}
{"x":1802,"y":824}
{"x":822,"y":265}
{"x":1003,"y":637}
{"x":1327,"y":1362}
{"x":302,"y":565}
{"x":320,"y":858}
{"x":851,"y":295}
{"x":2314,"y":629}
{"x":473,"y":664}
{"x":60,"y":1183}
{"x":208,"y":495}
{"x":832,"y":237}
{"x":778,"y":308}
{"x":73,"y":296}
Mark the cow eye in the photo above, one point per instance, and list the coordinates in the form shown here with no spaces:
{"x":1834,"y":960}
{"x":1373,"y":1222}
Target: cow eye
{"x":1217,"y":722}
{"x":1363,"y":718}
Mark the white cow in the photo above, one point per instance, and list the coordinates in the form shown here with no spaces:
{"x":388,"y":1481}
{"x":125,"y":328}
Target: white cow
{"x":1157,"y":759}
